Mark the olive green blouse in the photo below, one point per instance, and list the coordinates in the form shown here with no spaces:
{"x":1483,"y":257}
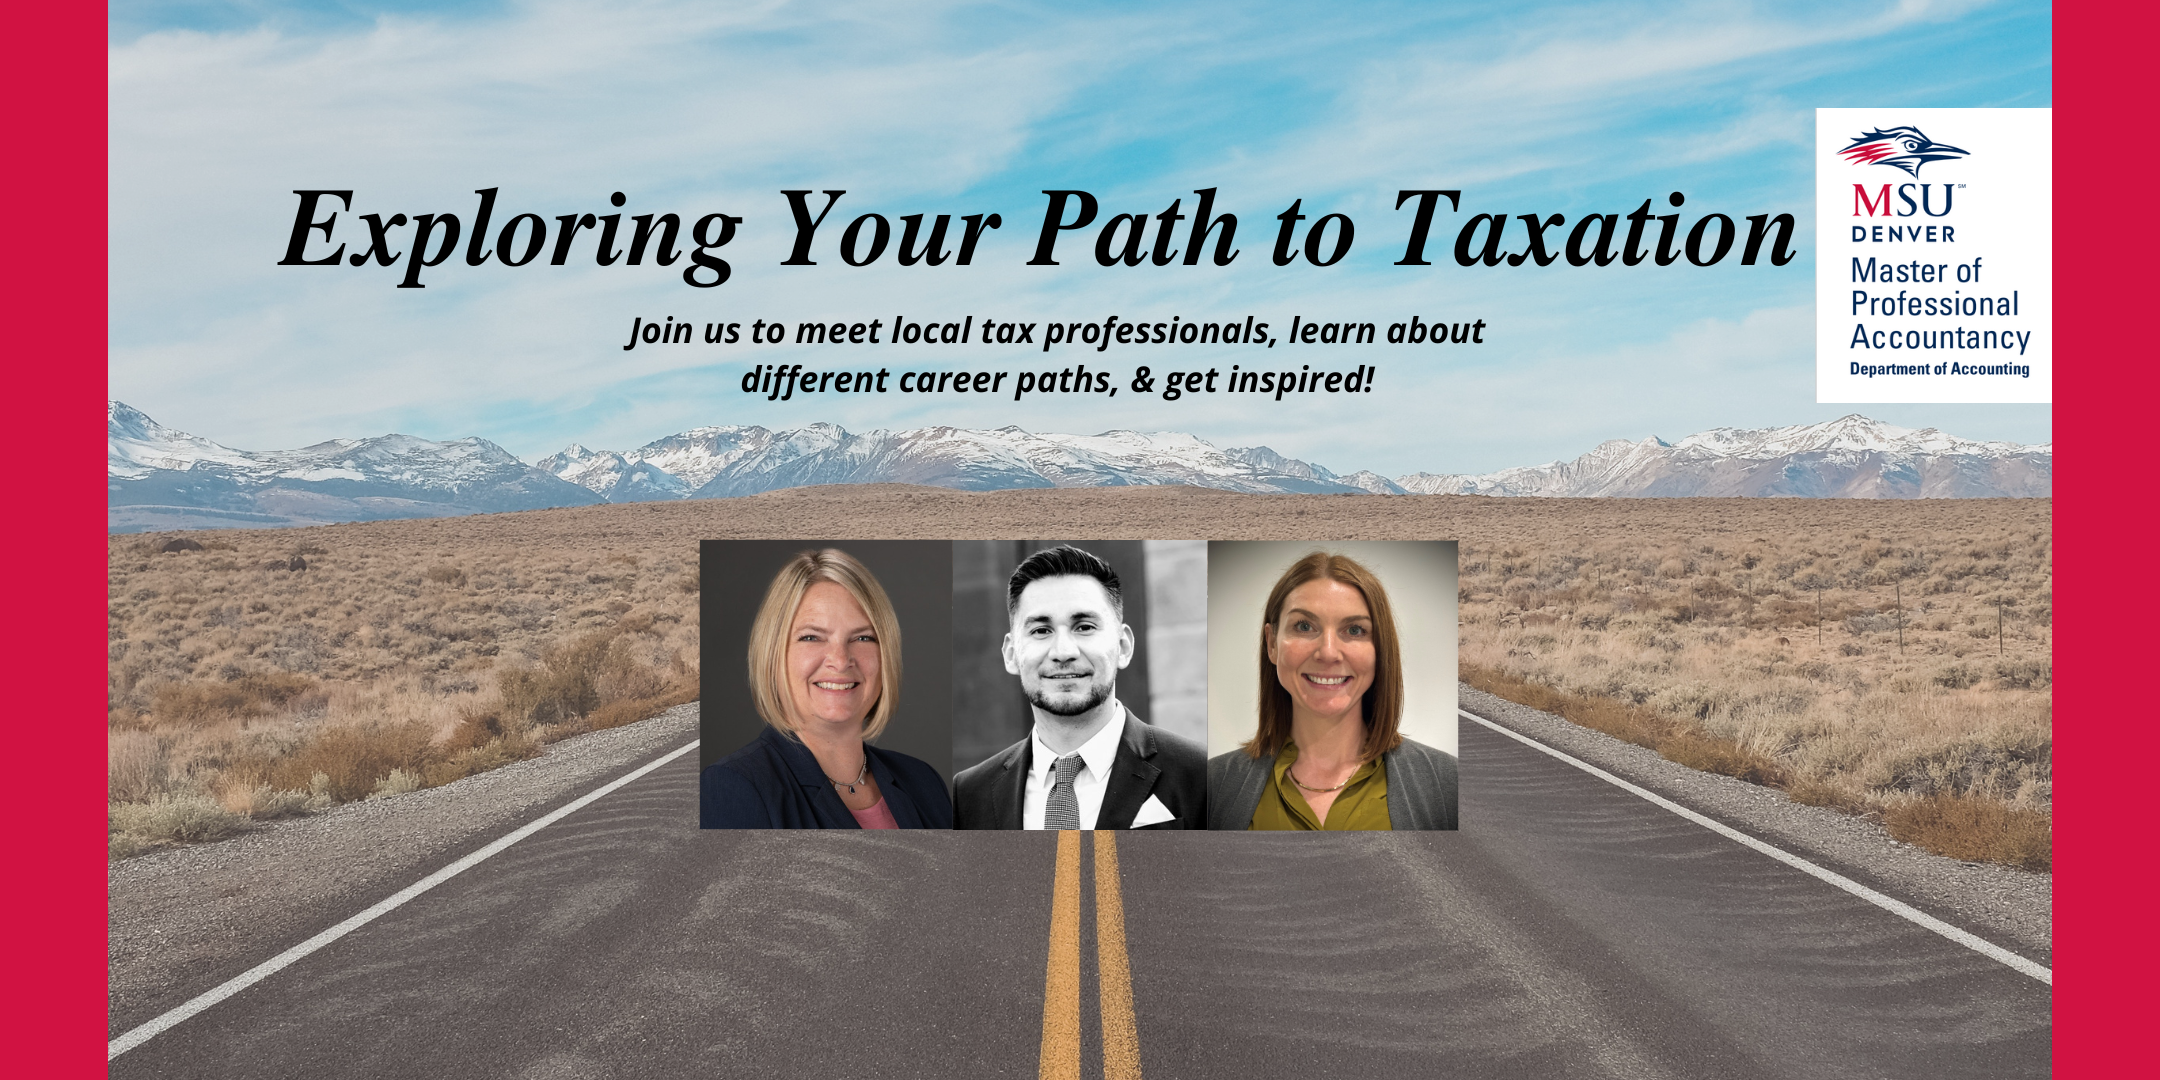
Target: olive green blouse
{"x":1362,"y":804}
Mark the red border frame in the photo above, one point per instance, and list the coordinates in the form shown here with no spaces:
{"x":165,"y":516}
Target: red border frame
{"x":56,"y":84}
{"x":2104,"y":387}
{"x":54,"y":910}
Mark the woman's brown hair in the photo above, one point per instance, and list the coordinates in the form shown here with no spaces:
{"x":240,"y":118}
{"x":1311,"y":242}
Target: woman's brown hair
{"x":1383,"y":700}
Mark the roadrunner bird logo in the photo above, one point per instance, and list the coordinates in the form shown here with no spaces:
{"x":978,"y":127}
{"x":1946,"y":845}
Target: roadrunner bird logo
{"x":1903,"y":147}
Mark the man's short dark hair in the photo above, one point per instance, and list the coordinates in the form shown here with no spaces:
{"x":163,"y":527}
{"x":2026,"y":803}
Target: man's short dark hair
{"x":1058,"y":562}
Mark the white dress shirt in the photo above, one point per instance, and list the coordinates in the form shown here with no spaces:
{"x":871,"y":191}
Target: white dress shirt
{"x":1096,"y":755}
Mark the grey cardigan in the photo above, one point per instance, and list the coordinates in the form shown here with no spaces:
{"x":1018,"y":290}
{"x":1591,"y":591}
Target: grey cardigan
{"x":1420,"y":787}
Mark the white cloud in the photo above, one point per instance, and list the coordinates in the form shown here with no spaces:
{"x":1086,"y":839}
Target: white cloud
{"x":1506,"y":100}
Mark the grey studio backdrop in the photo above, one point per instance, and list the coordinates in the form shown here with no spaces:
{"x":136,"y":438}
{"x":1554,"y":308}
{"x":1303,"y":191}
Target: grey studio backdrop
{"x":1419,"y":576}
{"x":917,"y":576}
{"x":1164,"y":583}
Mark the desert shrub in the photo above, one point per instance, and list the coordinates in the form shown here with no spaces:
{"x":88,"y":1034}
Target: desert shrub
{"x":1724,"y":757}
{"x":275,"y":688}
{"x":347,"y":761}
{"x":1812,"y":792}
{"x":200,"y":704}
{"x":477,"y":759}
{"x":1974,"y":828}
{"x":585,"y":676}
{"x":197,"y":704}
{"x":261,"y":802}
{"x":2025,"y":674}
{"x":1994,"y":763}
{"x":1955,"y":677}
{"x":1778,"y":699}
{"x":478,"y":727}
{"x":631,"y":710}
{"x":565,"y":685}
{"x":173,"y":818}
{"x":134,"y":766}
{"x":397,"y":782}
{"x":1698,"y":700}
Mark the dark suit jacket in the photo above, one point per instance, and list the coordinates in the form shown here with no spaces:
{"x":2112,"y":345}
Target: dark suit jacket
{"x":1149,"y":761}
{"x":775,"y":783}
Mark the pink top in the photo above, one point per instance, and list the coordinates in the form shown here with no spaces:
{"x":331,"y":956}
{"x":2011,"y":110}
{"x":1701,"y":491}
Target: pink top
{"x":876,"y":816}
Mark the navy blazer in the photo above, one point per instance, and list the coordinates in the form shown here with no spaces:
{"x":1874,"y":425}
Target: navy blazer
{"x":775,"y":783}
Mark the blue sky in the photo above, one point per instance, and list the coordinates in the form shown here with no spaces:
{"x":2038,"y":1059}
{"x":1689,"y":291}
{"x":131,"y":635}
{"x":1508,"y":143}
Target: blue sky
{"x":219,"y":111}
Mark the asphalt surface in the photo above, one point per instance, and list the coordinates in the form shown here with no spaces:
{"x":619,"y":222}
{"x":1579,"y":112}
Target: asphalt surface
{"x":1569,"y":929}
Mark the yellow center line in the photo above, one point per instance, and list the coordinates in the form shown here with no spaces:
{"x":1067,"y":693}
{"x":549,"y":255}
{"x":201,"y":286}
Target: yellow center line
{"x":1120,"y":1035}
{"x":1113,"y":966}
{"x":1061,"y":982}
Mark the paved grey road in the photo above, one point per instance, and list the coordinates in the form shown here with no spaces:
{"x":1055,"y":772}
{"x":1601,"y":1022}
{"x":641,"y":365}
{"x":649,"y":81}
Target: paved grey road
{"x":1569,"y":929}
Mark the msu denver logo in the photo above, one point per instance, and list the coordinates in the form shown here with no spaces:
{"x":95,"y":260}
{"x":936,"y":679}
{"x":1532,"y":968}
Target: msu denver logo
{"x":1903,"y":147}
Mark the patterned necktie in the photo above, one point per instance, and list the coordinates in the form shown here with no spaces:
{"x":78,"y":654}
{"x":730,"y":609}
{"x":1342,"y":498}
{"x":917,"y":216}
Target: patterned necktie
{"x":1062,"y":809}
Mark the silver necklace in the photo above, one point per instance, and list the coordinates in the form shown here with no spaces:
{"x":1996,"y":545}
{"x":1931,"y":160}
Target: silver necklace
{"x":859,"y":774}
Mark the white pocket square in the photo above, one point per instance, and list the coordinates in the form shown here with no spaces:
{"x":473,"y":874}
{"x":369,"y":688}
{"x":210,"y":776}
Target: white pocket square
{"x":1152,"y":812}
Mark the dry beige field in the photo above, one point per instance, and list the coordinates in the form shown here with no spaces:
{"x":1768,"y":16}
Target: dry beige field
{"x":241,"y":688}
{"x":1889,"y":659}
{"x":410,"y":653}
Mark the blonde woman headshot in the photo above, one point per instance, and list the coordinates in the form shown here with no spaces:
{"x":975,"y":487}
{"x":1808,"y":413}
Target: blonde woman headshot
{"x":824,"y":668}
{"x":1327,"y":753}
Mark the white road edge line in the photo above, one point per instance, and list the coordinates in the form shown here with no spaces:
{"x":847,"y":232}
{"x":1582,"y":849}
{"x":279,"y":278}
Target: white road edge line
{"x":1899,"y":908}
{"x":259,"y":972}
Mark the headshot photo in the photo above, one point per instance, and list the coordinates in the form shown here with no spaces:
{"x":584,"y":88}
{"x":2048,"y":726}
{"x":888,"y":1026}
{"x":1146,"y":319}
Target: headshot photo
{"x":1079,"y":684}
{"x":826,"y":699}
{"x":1331,"y":685}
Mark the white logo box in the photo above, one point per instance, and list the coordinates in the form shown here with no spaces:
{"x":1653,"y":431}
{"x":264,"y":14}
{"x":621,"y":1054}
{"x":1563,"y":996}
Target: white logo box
{"x":1934,"y":262}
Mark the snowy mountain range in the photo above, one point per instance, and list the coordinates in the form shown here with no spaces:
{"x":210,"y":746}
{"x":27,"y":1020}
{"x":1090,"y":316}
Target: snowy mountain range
{"x":1851,"y":457}
{"x":720,"y":461}
{"x":159,"y":478}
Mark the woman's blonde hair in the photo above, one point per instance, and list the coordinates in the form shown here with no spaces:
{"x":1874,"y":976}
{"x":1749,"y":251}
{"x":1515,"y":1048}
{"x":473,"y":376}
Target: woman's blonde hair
{"x":1383,"y":702}
{"x":769,"y":634}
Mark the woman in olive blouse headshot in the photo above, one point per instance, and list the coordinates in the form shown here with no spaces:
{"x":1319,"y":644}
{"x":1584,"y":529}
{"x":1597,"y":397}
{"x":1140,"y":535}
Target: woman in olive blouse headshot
{"x":1328,"y":753}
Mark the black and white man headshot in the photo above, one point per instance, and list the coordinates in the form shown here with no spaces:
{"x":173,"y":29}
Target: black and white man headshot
{"x":1088,"y":760}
